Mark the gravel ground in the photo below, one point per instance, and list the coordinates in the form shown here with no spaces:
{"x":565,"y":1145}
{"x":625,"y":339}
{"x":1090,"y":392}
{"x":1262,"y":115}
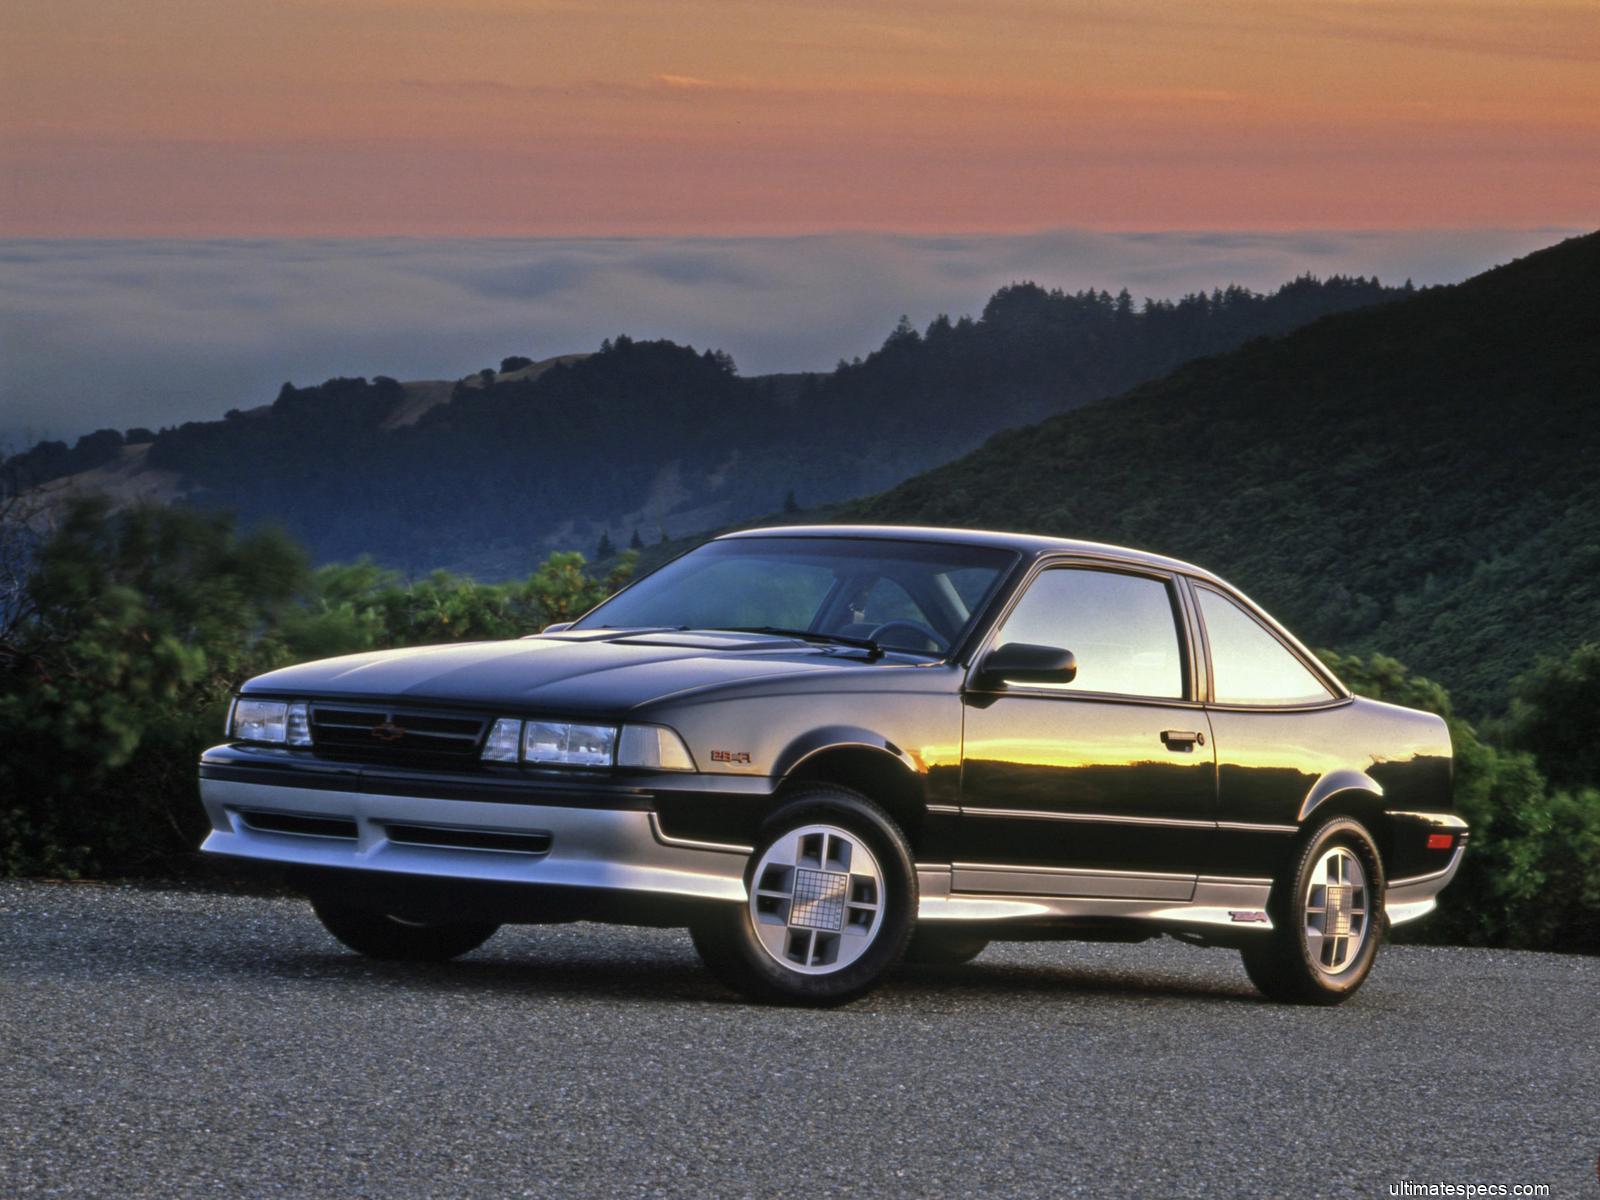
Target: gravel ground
{"x":173,"y":1043}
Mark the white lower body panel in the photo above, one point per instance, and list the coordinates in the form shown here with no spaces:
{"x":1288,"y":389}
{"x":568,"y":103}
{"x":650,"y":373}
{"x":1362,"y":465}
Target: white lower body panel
{"x":1407,"y":899}
{"x":588,"y":847}
{"x":1202,"y":900}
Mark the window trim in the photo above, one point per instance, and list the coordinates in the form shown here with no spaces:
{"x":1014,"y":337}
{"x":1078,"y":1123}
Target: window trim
{"x":1182,"y":628}
{"x":1338,"y":694}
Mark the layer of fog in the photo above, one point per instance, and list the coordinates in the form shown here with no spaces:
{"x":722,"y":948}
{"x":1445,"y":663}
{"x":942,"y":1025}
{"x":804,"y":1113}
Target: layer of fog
{"x":152,"y":333}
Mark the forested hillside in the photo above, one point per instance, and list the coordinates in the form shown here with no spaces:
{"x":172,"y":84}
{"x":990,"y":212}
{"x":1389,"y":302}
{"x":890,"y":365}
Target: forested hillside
{"x":652,"y":437}
{"x":1421,"y":479}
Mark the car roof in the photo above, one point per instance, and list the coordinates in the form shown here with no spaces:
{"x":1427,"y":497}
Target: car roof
{"x":1031,"y":544}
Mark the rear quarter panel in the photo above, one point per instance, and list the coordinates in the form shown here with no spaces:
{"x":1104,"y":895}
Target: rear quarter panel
{"x":1293,"y":768}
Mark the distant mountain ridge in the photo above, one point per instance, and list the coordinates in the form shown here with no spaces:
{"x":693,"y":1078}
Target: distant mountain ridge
{"x":490,"y":473}
{"x":1421,"y":479}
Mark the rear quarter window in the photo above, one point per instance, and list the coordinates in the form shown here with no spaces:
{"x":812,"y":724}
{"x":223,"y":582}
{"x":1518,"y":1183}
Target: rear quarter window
{"x":1249,"y":665}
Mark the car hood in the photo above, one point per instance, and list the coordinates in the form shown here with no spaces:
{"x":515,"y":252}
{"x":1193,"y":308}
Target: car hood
{"x":580,"y":672}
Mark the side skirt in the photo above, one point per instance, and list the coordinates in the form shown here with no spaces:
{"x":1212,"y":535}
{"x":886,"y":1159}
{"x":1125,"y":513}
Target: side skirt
{"x":1236,"y":904}
{"x":1220,"y":909}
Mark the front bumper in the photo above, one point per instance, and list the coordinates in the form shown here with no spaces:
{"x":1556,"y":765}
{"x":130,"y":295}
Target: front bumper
{"x":594,"y":848}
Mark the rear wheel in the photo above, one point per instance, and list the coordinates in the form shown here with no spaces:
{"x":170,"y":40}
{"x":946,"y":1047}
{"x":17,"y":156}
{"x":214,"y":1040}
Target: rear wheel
{"x":832,"y":897}
{"x":380,"y":935}
{"x":1327,"y":920}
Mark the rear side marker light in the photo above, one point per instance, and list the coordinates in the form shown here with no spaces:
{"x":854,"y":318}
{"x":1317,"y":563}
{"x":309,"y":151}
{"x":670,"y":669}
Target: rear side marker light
{"x":1440,"y":841}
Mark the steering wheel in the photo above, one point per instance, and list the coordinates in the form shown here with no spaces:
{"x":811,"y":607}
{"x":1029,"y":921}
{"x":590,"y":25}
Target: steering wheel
{"x":916,"y":627}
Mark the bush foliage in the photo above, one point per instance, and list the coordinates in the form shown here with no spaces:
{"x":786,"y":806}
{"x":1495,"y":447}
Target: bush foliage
{"x":130,"y":634}
{"x":1531,"y":875}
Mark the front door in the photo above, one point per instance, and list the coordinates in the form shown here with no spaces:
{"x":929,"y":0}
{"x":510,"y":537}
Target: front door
{"x":1105,"y":786}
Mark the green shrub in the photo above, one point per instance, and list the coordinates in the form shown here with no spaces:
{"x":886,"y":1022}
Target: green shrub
{"x":1531,"y":875}
{"x":1555,"y":714}
{"x":132,"y":633}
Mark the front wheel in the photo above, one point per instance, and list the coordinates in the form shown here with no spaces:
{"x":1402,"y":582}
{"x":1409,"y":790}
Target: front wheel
{"x":832,"y":898}
{"x":1327,"y":917}
{"x":380,"y":935}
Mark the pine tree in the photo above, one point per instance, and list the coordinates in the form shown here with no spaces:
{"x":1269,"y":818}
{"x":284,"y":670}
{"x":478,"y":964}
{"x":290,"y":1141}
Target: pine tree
{"x":605,"y":549}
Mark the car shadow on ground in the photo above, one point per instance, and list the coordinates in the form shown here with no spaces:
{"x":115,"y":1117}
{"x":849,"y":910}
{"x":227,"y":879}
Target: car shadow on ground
{"x":1067,"y":978}
{"x":666,"y":974}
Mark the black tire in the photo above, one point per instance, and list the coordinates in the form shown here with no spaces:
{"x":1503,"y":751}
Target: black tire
{"x":379,"y":935}
{"x":1285,"y":964}
{"x":932,"y":947}
{"x":732,"y":946}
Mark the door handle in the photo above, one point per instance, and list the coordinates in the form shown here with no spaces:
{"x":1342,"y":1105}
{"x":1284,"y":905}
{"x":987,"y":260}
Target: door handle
{"x":1182,"y":739}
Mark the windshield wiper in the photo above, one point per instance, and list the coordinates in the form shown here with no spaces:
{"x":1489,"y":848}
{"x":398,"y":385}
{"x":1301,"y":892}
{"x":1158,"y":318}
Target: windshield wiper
{"x":812,"y":635}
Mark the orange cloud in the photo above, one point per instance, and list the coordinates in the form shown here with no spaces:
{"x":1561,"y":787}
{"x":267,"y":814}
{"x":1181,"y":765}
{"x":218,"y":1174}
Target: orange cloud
{"x":685,"y":81}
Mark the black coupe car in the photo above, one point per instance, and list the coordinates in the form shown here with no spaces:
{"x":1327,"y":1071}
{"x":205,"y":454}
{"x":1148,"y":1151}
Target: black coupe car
{"x":827,"y":749}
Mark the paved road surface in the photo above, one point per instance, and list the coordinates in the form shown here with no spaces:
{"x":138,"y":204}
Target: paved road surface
{"x":169,"y":1044}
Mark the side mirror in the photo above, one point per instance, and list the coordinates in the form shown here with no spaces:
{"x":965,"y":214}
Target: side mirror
{"x":1020,"y":662}
{"x":556,"y":627}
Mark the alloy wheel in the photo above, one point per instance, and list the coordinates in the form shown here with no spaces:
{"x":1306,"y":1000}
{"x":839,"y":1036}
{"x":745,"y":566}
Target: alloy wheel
{"x":817,"y":899}
{"x":1337,"y":910}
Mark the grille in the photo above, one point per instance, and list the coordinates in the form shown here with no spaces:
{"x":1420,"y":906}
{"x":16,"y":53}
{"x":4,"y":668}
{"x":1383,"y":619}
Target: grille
{"x":469,"y":839}
{"x":298,"y":823}
{"x":396,"y":735}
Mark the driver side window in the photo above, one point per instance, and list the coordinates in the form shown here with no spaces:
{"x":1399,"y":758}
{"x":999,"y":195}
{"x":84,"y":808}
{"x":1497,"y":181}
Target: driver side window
{"x":1123,"y":630}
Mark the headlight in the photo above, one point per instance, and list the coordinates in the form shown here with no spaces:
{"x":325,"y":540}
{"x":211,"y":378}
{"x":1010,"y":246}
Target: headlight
{"x":653,"y":746}
{"x":271,"y":721}
{"x":568,"y":744}
{"x":561,"y":744}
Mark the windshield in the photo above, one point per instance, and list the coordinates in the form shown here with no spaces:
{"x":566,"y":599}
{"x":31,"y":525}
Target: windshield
{"x":912,"y":596}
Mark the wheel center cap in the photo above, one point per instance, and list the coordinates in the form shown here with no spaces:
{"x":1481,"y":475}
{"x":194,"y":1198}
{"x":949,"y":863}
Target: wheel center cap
{"x":1339,"y":909}
{"x":818,"y":899}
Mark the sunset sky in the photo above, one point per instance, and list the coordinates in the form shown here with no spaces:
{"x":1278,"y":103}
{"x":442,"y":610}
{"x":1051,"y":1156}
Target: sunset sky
{"x":231,"y":193}
{"x":522,"y":117}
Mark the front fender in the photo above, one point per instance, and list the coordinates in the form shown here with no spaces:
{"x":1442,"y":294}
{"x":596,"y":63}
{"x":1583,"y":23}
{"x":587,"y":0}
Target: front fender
{"x":837,"y":737}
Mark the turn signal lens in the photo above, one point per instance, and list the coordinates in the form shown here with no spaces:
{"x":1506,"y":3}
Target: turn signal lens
{"x":1440,"y":841}
{"x":654,"y":747}
{"x":503,"y":741}
{"x":297,"y":725}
